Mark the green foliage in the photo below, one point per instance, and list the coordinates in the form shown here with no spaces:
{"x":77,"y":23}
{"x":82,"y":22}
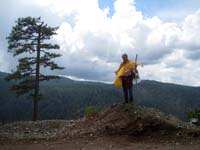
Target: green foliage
{"x":54,"y":124}
{"x":91,"y":111}
{"x":128,"y":107}
{"x":194,"y":114}
{"x":32,"y":36}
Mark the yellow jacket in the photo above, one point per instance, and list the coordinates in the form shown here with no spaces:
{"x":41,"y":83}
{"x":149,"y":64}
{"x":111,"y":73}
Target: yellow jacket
{"x":123,"y":70}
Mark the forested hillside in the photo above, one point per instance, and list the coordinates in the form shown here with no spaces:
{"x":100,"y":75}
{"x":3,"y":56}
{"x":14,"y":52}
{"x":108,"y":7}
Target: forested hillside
{"x":67,"y":99}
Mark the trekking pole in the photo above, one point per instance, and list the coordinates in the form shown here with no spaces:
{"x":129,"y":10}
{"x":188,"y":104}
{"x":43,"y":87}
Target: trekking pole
{"x":135,"y":75}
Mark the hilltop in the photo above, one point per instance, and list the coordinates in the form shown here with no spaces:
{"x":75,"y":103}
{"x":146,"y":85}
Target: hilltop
{"x":126,"y":124}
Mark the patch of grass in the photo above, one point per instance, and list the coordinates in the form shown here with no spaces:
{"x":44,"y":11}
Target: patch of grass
{"x":91,"y":111}
{"x":194,"y":114}
{"x":54,"y":124}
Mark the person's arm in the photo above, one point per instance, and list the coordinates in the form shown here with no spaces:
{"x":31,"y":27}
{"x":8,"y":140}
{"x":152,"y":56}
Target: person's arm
{"x":139,"y":64}
{"x":133,"y":68}
{"x":116,"y":71}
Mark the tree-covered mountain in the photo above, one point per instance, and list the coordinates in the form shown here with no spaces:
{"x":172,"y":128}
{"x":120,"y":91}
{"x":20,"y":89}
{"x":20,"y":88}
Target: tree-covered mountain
{"x":67,"y":99}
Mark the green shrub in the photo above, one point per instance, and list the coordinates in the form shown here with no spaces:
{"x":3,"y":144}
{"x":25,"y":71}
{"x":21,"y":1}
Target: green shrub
{"x":91,"y":111}
{"x":194,"y":114}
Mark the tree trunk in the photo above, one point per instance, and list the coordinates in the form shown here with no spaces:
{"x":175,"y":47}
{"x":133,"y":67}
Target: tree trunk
{"x":36,"y":94}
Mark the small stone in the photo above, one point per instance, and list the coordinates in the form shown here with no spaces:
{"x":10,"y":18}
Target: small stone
{"x":46,"y":144}
{"x":37,"y":130}
{"x":26,"y":132}
{"x":157,"y":116}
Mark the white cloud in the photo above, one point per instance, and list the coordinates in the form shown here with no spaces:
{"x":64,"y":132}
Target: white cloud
{"x":191,"y":30}
{"x":92,"y":42}
{"x":92,"y":45}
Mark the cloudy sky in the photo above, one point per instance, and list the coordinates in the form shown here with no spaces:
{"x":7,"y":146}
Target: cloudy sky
{"x":93,"y":34}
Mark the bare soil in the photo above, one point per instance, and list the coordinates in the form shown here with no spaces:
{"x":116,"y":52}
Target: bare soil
{"x":103,"y":143}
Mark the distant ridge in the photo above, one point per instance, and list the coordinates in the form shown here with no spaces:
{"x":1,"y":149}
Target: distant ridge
{"x":67,"y":99}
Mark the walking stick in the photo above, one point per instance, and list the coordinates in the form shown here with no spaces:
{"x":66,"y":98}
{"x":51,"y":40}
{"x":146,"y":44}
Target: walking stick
{"x":135,"y":75}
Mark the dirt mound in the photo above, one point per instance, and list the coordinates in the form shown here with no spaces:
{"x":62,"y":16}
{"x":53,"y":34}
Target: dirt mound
{"x":134,"y":120}
{"x":117,"y":120}
{"x":151,"y":129}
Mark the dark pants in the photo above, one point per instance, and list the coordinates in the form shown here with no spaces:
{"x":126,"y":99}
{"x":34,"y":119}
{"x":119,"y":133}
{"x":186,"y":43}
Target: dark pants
{"x":128,"y":88}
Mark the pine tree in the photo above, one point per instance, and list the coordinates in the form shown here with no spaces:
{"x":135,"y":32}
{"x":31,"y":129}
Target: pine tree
{"x":31,"y":39}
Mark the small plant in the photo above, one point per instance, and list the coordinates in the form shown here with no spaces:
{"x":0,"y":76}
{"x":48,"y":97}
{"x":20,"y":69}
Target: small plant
{"x":194,"y":114}
{"x":54,"y":124}
{"x":91,"y":111}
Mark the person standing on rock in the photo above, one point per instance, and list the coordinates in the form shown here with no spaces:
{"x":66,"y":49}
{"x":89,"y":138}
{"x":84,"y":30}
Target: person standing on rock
{"x":124,"y":77}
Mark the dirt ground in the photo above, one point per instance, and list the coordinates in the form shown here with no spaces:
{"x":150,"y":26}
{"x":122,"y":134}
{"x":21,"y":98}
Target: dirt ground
{"x":117,"y":128}
{"x":102,"y":143}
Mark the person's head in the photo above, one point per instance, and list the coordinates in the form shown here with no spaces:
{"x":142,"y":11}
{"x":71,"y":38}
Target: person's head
{"x":125,"y":57}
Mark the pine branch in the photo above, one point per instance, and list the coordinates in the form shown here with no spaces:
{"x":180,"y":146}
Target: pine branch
{"x":49,"y":46}
{"x":48,"y":77}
